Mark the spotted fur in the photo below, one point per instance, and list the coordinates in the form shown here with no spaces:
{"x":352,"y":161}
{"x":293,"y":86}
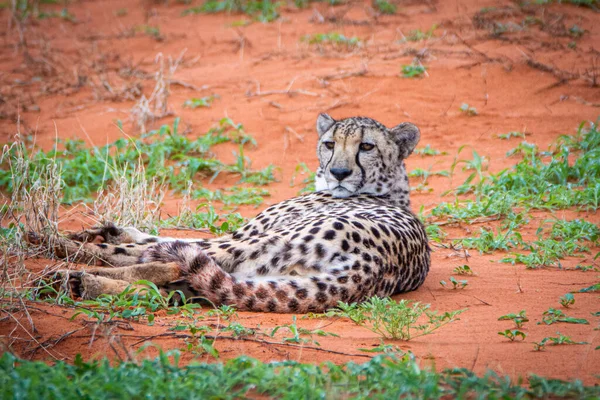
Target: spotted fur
{"x":352,"y":239}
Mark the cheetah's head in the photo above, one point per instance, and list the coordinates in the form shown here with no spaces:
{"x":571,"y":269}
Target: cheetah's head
{"x":361,"y":156}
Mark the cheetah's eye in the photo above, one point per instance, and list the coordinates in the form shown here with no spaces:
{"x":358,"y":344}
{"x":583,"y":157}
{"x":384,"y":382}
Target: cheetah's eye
{"x":366,"y":146}
{"x":329,"y":145}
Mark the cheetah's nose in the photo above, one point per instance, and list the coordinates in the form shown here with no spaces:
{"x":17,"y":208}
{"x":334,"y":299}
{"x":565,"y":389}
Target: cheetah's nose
{"x":340,"y":173}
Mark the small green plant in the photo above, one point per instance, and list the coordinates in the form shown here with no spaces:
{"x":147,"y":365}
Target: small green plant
{"x":519,"y":319}
{"x":428,"y":151}
{"x":297,"y":332}
{"x":64,"y":14}
{"x":576,"y":31}
{"x":334,"y":39}
{"x":468,"y":110}
{"x":415,"y":70}
{"x":308,"y":181}
{"x":435,"y":233}
{"x":152,"y":31}
{"x":512,"y":134}
{"x":594,"y":288}
{"x":567,"y":300}
{"x":456,"y":284}
{"x":384,"y":6}
{"x":554,"y":341}
{"x":121,"y":12}
{"x":513,"y":334}
{"x":463,"y":270}
{"x":211,"y":220}
{"x":136,"y":303}
{"x":224,"y":311}
{"x":238,"y":330}
{"x":260,"y":10}
{"x":234,"y":196}
{"x":196,"y":102}
{"x":417,"y":35}
{"x":197,"y":343}
{"x":404,"y":319}
{"x":552,"y":316}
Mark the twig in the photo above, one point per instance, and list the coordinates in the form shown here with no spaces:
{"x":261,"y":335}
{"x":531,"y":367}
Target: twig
{"x":213,"y":337}
{"x":288,"y":91}
{"x":188,"y":85}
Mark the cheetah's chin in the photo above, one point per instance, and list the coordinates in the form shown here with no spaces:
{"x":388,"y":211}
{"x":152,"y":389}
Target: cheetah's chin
{"x":341,"y":192}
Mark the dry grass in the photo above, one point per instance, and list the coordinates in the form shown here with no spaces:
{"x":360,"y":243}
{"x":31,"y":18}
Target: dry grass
{"x":148,"y":109}
{"x":131,"y":200}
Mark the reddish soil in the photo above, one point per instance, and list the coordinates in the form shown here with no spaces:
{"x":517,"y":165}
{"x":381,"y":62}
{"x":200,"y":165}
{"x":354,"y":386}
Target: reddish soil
{"x":527,"y":80}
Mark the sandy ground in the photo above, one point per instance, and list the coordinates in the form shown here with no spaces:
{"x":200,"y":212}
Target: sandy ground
{"x":527,"y":79}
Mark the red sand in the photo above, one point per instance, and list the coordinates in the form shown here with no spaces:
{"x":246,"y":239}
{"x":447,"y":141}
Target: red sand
{"x":465,"y":64}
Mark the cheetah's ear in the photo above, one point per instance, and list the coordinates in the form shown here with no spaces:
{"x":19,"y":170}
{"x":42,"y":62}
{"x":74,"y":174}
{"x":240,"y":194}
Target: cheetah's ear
{"x":324,"y":122}
{"x":406,"y":136}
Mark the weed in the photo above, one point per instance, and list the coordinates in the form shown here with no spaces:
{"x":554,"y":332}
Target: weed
{"x":135,"y":303}
{"x":208,"y":220}
{"x":308,"y":182}
{"x":384,"y":6}
{"x":386,"y":375}
{"x":554,"y":341}
{"x":197,"y":344}
{"x":162,"y":155}
{"x":468,"y":110}
{"x":297,"y":332}
{"x":196,"y":102}
{"x":121,"y":12}
{"x":238,"y":330}
{"x":417,"y":35}
{"x":455,"y":283}
{"x":335,"y":39}
{"x":552,"y":316}
{"x":512,"y":134}
{"x":224,"y":311}
{"x":435,"y":232}
{"x":234,"y":196}
{"x":513,"y":334}
{"x":488,"y":242}
{"x":589,"y":289}
{"x":519,"y":319}
{"x":567,"y":300}
{"x":64,"y":14}
{"x":414,"y":70}
{"x":463,"y":270}
{"x":151,"y":31}
{"x":428,"y":151}
{"x":260,"y":10}
{"x":395,"y":320}
{"x":576,"y":31}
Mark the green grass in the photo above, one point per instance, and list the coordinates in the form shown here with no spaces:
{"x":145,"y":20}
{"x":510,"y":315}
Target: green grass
{"x":567,"y":175}
{"x":166,"y":154}
{"x":428,"y":151}
{"x":382,"y":377}
{"x":385,"y":7}
{"x":518,"y":319}
{"x":334,"y":39}
{"x":137,"y":305}
{"x":416,"y":35}
{"x":468,"y":110}
{"x":260,"y":10}
{"x":218,"y":224}
{"x":404,"y":319}
{"x":413,"y":70}
{"x":199,"y":102}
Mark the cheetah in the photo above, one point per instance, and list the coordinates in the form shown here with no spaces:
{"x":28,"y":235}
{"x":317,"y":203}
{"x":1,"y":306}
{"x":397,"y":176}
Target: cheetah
{"x":353,"y":238}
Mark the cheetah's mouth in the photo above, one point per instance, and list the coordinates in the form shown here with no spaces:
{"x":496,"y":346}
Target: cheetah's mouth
{"x":341,"y":192}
